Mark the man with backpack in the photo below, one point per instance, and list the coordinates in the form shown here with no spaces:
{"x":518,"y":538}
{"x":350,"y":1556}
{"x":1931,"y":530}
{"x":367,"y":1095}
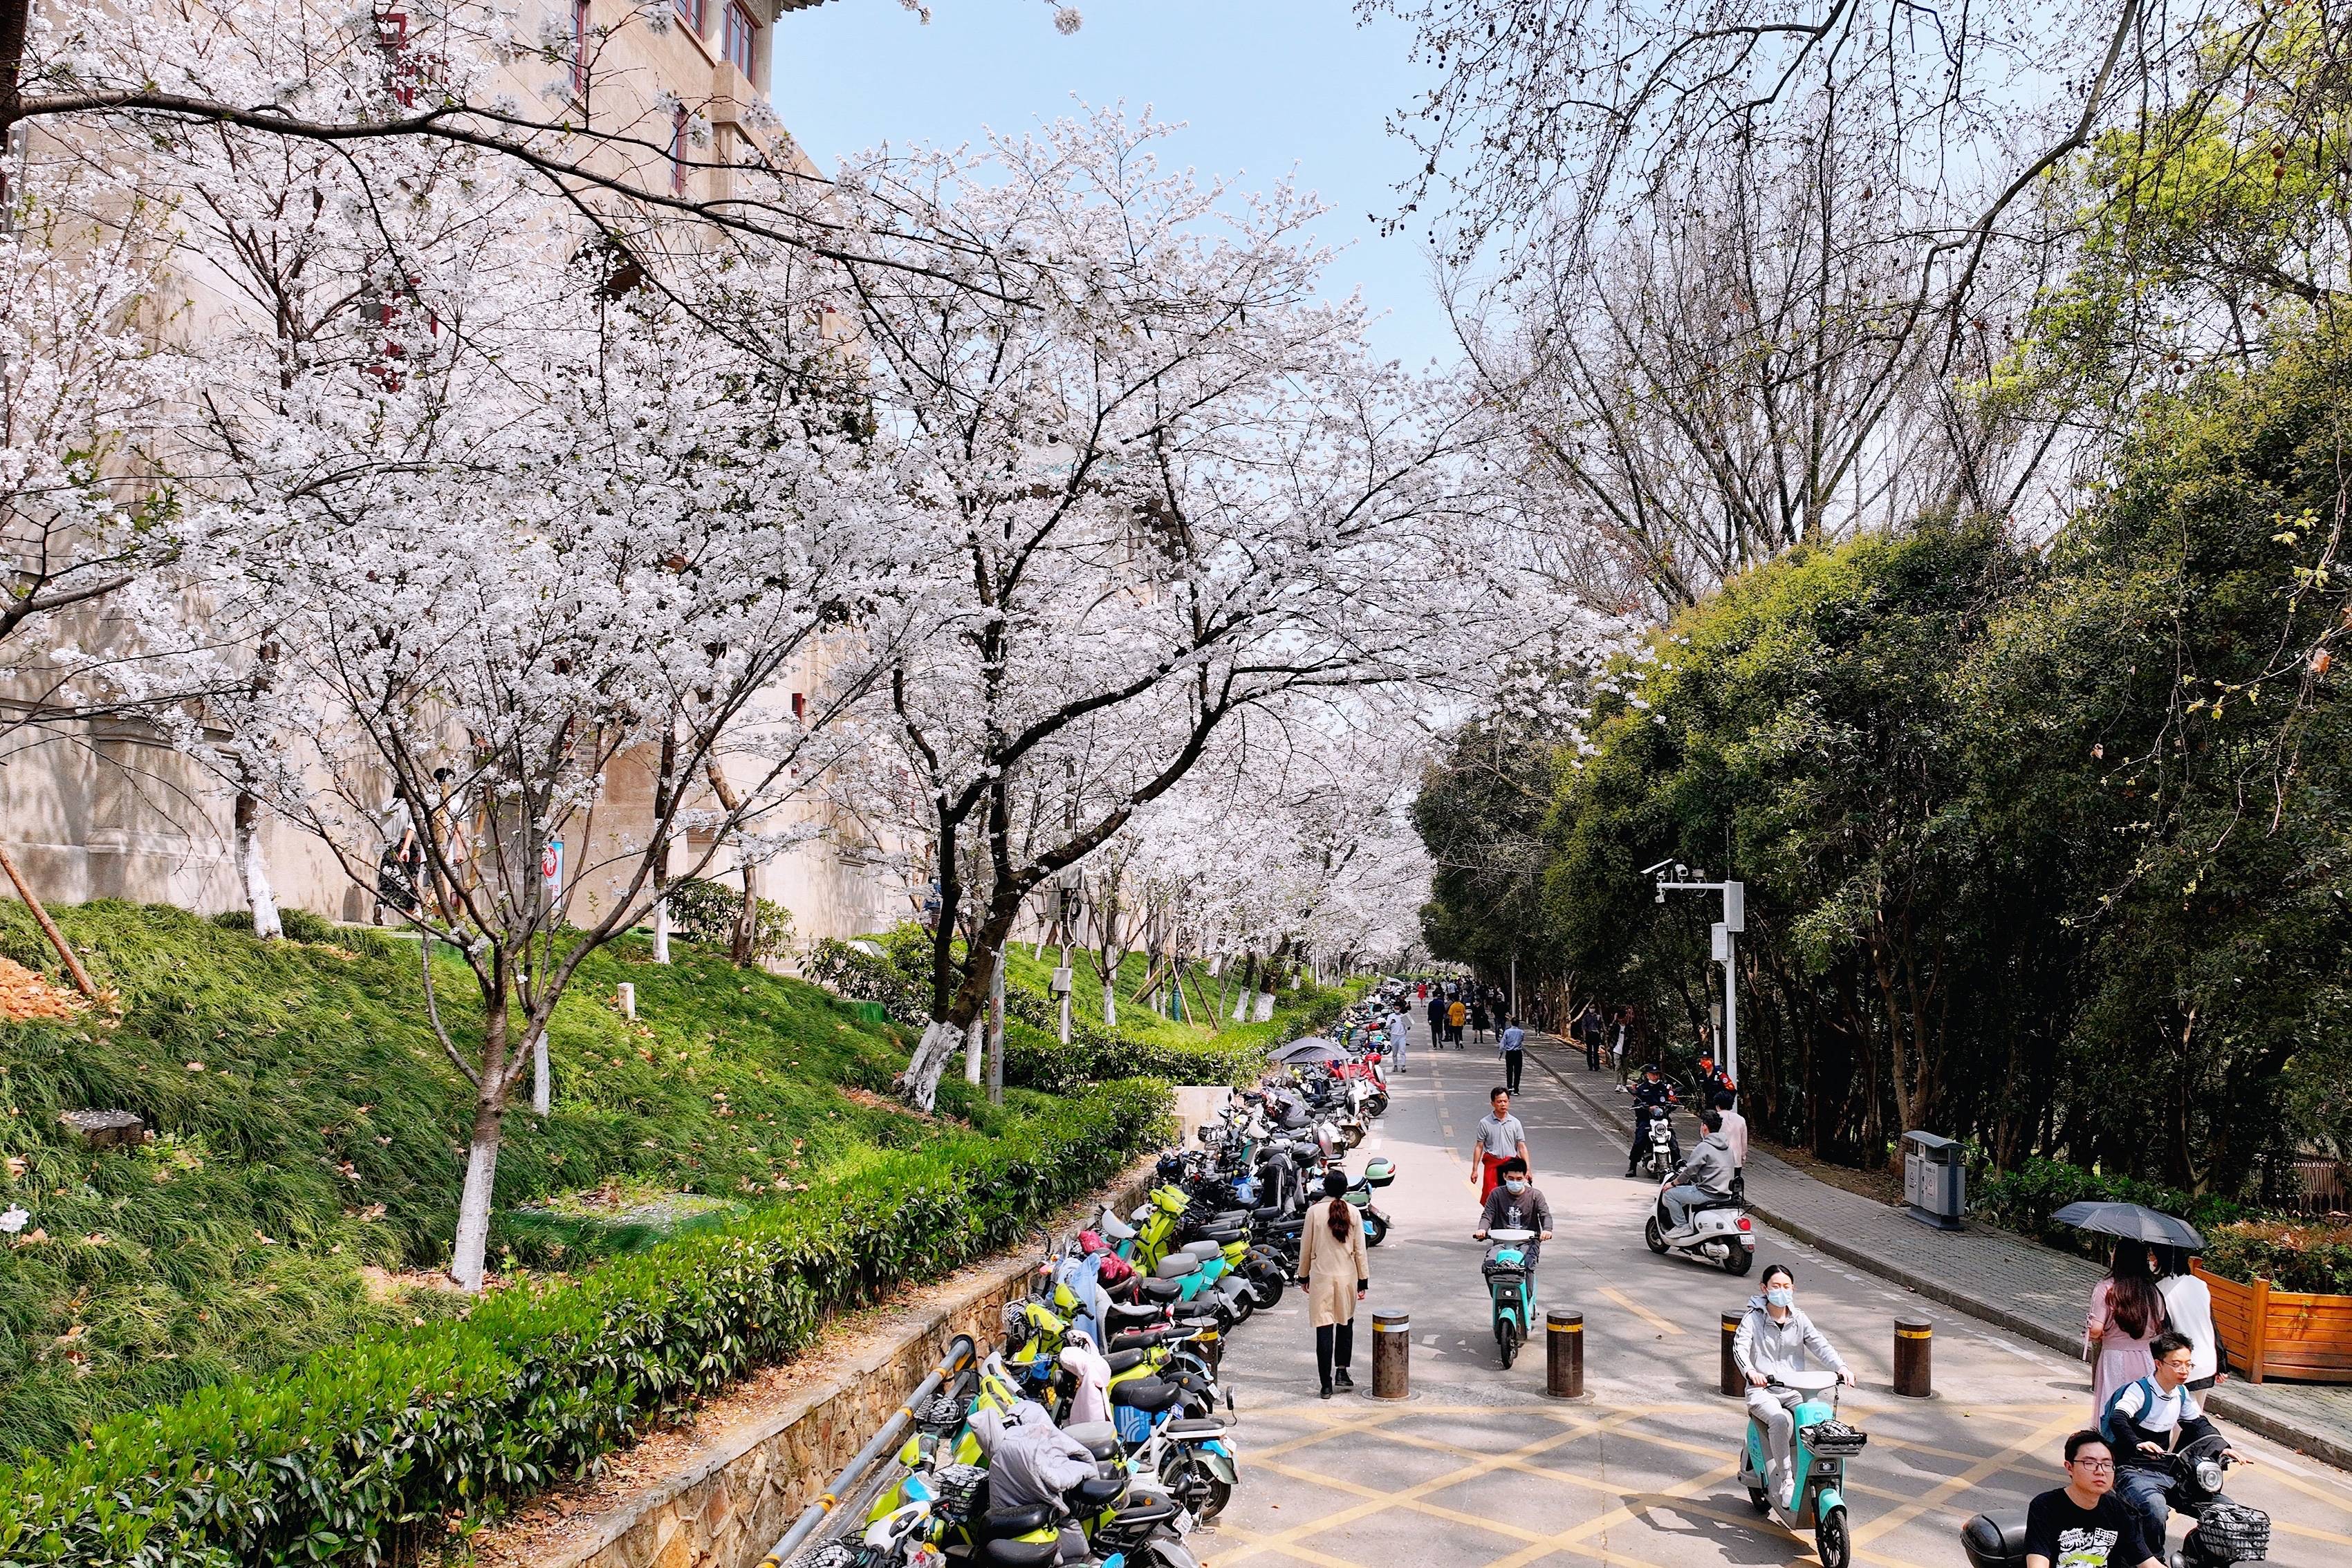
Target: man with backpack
{"x":2149,"y":1419}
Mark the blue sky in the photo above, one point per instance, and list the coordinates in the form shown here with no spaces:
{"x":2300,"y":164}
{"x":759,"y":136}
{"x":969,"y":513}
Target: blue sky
{"x":1264,"y":89}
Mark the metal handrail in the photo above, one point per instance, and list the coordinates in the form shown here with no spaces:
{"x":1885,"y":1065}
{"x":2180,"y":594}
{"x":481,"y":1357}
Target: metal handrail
{"x":960,"y":1351}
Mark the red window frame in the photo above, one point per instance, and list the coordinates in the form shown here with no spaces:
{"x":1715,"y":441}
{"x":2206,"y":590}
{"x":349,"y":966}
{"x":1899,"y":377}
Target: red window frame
{"x":690,"y":12}
{"x":579,"y":47}
{"x":741,"y":39}
{"x":677,"y":151}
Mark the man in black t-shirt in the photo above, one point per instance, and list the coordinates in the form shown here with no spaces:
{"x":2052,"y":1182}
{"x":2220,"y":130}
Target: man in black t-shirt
{"x":2083,"y":1524}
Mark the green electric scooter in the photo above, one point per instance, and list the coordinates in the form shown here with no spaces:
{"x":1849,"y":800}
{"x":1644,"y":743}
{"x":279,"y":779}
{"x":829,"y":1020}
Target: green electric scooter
{"x":1511,"y":1286}
{"x":1817,"y":1455}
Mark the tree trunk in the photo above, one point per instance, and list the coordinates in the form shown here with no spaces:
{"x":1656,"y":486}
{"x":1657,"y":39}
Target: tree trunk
{"x":251,"y":868}
{"x":482,"y":1155}
{"x":1110,"y":998}
{"x":542,"y":1081}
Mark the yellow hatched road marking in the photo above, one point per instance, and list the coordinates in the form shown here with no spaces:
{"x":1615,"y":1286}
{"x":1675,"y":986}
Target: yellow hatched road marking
{"x":1639,"y":1310}
{"x":1951,"y":1487}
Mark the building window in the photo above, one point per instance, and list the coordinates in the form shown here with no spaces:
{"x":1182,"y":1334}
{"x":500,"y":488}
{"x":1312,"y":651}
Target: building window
{"x":677,"y":151}
{"x":580,"y":48}
{"x":742,"y":41}
{"x":690,"y":13}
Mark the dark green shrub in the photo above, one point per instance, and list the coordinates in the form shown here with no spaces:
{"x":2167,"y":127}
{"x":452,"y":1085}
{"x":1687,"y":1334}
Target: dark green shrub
{"x":2023,"y":1200}
{"x":366,"y":1450}
{"x":703,"y":910}
{"x":2292,"y":1255}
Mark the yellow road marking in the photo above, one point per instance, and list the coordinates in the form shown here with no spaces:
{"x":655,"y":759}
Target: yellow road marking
{"x":1639,"y":1310}
{"x":1951,"y":1487}
{"x":2334,"y":1499}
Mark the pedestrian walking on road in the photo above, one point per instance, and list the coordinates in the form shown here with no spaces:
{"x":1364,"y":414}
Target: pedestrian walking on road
{"x":2189,"y":1309}
{"x":1735,"y":1126}
{"x":1478,"y":1020}
{"x":1620,"y":1041}
{"x":1456,"y":1015}
{"x":1512,"y":1042}
{"x":1436,"y":1019}
{"x":1400,"y":1030}
{"x":1588,"y":1032}
{"x":1335,"y":1274}
{"x":1500,"y":1137}
{"x":2126,"y":1314}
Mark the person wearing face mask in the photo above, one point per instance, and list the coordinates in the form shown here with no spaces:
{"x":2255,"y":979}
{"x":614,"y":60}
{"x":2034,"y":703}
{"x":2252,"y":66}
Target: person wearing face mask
{"x":1515,"y":1204}
{"x":1775,"y":1339}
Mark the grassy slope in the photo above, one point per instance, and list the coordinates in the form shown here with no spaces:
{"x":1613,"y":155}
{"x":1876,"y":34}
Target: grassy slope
{"x":323,"y":1130}
{"x":1139,"y":1022}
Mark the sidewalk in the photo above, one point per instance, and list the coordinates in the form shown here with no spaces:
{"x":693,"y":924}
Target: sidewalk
{"x":2031,"y":1290}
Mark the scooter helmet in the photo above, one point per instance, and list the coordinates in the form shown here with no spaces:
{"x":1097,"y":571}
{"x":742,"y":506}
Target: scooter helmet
{"x":1115,"y":1270}
{"x":1091,"y":1242}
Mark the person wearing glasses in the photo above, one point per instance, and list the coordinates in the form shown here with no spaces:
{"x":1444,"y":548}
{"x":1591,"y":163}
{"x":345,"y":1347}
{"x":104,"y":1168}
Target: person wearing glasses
{"x":2083,"y":1524}
{"x":2146,"y":1420}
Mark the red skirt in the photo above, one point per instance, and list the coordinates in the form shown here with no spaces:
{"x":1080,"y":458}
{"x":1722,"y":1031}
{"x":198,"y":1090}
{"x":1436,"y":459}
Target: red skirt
{"x":1490,"y":1173}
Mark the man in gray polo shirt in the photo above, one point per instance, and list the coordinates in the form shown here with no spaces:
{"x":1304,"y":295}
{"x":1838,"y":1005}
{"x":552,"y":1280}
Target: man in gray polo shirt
{"x":1499,"y":1138}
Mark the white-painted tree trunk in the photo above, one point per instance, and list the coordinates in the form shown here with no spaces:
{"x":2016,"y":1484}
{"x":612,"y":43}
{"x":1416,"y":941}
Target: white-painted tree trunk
{"x":1110,"y":1002}
{"x":473,"y":1210}
{"x":974,"y":1043}
{"x":940,"y":1040}
{"x":542,"y":1082}
{"x":253,"y":869}
{"x":661,"y":930}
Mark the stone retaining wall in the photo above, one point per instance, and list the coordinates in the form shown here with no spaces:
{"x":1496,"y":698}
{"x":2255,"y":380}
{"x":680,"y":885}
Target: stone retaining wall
{"x":726,"y":1510}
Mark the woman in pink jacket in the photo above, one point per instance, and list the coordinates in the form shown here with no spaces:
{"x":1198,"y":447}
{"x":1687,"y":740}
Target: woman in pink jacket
{"x":2126,"y":1312}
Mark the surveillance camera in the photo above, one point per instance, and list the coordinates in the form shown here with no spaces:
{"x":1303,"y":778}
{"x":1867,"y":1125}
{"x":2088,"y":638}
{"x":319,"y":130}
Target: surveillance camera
{"x":1662,"y":896}
{"x":1682,"y":871}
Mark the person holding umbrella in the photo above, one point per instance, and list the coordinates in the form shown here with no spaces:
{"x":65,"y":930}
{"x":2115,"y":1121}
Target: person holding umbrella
{"x":2126,"y":1310}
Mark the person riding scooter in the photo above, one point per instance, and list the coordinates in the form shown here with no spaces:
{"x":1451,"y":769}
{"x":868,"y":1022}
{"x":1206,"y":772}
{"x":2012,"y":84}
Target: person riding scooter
{"x":1516,"y":1205}
{"x":1773,"y":1341}
{"x":2145,"y":1422}
{"x":1707,"y":1174}
{"x":1651,"y":1096}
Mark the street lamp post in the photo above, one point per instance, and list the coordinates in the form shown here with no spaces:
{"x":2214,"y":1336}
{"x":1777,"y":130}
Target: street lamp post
{"x":1675,"y":877}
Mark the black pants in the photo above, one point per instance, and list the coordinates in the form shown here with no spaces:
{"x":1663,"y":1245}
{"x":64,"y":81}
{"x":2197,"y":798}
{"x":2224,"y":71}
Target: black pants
{"x":1335,"y":1345}
{"x":1512,"y":1059}
{"x":1591,"y":1053}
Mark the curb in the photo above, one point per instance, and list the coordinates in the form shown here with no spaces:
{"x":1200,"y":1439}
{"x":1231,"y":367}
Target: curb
{"x":2327,"y":1446}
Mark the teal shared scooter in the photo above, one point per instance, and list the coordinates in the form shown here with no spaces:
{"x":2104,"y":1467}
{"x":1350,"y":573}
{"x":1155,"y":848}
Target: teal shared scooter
{"x":1511,"y":1286}
{"x":1817,"y":1456}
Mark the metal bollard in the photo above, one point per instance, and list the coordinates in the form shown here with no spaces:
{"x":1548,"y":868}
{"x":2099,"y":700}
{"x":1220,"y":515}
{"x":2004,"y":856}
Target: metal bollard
{"x":1732,"y":1383}
{"x":1915,"y":1357}
{"x":1212,"y":1346}
{"x":1391,"y":1355}
{"x":1564,"y":1353}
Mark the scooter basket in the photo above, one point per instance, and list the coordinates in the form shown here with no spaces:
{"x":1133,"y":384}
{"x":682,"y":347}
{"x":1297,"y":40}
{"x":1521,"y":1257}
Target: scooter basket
{"x":955,"y":1487}
{"x":1833,"y":1439}
{"x":2232,"y":1533}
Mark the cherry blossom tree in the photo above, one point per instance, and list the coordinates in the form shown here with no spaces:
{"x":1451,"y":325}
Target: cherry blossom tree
{"x":527,"y":551}
{"x":1159,"y":486}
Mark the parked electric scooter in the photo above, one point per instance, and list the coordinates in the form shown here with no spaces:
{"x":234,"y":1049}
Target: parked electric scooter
{"x":1510,"y":1289}
{"x":1717,"y":1230}
{"x":1817,"y":1456}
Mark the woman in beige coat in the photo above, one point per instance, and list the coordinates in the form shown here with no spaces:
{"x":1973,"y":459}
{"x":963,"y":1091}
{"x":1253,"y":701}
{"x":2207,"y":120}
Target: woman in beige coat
{"x":1332,"y":1269}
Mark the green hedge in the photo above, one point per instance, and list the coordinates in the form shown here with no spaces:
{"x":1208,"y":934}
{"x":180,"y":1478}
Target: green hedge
{"x":364,"y":1453}
{"x":2292,"y":1255}
{"x":2023,"y":1200}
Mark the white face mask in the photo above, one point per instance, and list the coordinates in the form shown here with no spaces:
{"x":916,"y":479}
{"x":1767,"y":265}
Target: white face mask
{"x":1516,"y":1186}
{"x":1781,"y":1296}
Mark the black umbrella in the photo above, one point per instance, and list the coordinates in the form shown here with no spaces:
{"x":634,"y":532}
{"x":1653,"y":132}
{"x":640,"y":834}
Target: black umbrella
{"x":2133,"y":1221}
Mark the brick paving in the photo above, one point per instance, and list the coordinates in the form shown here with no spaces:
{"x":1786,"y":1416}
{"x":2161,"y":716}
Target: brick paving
{"x":2022,"y":1286}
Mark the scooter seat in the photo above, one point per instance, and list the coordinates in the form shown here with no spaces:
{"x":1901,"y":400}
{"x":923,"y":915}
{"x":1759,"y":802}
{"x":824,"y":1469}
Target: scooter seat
{"x":1097,"y":1493}
{"x":1159,"y":1289}
{"x":1148,"y":1395}
{"x":1099,"y":1439}
{"x":1140,"y":1339}
{"x":1125,"y":1360}
{"x":1113,"y":1226}
{"x":1731,"y":1201}
{"x":1216,"y":1236}
{"x":1992,"y":1542}
{"x":1204,"y":1250}
{"x":1176,"y":1265}
{"x":1135,"y":1312}
{"x":1022,"y":1553}
{"x":1194,"y":1426}
{"x":999,"y":1521}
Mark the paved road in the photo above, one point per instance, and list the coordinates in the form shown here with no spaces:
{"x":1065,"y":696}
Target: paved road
{"x":1479,"y":1470}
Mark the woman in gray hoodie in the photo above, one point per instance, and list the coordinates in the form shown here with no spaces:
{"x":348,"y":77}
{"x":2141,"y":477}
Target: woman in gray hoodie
{"x":1774,"y":1340}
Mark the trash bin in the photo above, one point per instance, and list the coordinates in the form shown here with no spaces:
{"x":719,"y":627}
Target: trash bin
{"x":1935,"y":1180}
